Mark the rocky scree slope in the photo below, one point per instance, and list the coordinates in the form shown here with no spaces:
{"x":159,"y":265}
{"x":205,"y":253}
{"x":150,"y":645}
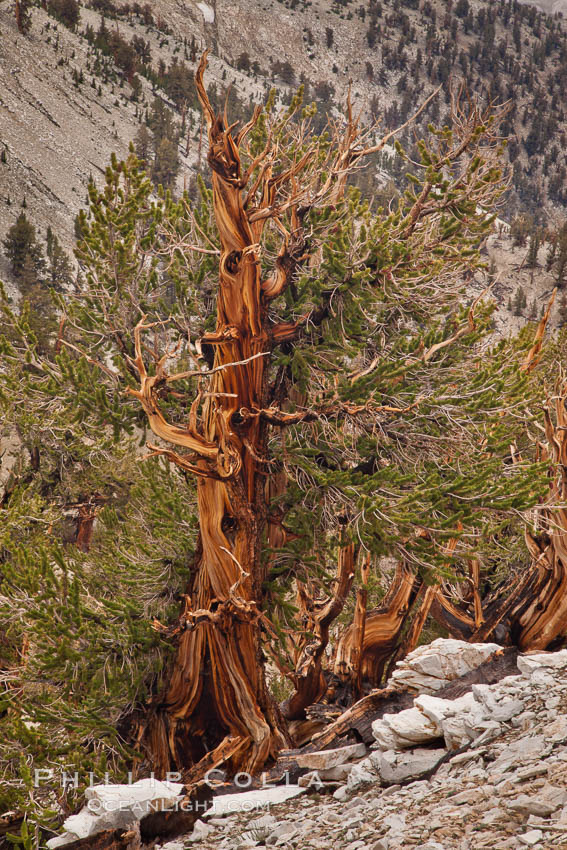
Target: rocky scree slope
{"x":485,"y":769}
{"x":505,"y":789}
{"x":56,"y":132}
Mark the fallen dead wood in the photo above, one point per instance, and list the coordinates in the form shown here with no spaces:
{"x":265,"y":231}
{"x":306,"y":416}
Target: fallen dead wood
{"x":10,"y":822}
{"x":318,"y":716}
{"x":355,"y":724}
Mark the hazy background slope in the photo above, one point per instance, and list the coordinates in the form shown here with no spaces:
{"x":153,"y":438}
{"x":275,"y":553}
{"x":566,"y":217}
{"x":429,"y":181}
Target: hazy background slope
{"x":65,"y":105}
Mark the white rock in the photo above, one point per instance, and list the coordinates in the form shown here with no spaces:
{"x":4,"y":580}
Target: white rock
{"x":405,"y":765}
{"x":342,"y":794}
{"x":542,"y":677}
{"x":396,"y":823}
{"x":522,"y":750}
{"x":208,"y":12}
{"x":434,"y":708}
{"x":115,"y":806}
{"x":60,"y":840}
{"x":530,"y":838}
{"x":383,"y":735}
{"x":245,"y":841}
{"x":511,"y":684}
{"x":460,"y":720}
{"x":250,"y":801}
{"x":431,"y":845}
{"x":428,"y":668}
{"x":457,"y":731}
{"x":141,"y":795}
{"x":491,"y":730}
{"x":283,"y":830}
{"x":532,"y":771}
{"x":263,"y":822}
{"x":326,"y":759}
{"x":484,"y":694}
{"x":527,"y":664}
{"x":507,"y":710}
{"x":557,"y":731}
{"x":200,"y":831}
{"x":359,"y":776}
{"x":405,"y":730}
{"x":538,"y":806}
{"x":437,"y":709}
{"x":336,"y":774}
{"x":82,"y":824}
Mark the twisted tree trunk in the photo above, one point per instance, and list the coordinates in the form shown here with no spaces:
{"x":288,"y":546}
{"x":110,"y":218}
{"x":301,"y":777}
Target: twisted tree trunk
{"x":216,"y":707}
{"x":367,"y":659}
{"x":310,"y":683}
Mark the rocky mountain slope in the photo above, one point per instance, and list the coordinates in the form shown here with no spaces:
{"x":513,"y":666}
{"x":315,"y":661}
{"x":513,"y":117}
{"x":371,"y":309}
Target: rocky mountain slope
{"x":486,"y":768}
{"x":65,"y":106}
{"x":57,"y":131}
{"x":505,"y":788}
{"x":550,"y":7}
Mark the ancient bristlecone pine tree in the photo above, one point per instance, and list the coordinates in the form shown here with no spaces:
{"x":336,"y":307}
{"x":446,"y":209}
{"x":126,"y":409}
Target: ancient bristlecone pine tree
{"x":218,"y":680}
{"x":297,"y":356}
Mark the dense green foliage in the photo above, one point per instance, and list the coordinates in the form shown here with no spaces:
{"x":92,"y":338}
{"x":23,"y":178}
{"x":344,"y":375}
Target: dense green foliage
{"x":78,"y":648}
{"x":404,"y":425}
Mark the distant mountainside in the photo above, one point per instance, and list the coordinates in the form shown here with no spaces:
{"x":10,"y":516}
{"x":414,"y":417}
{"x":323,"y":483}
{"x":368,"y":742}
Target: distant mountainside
{"x":69,"y":97}
{"x":550,"y":7}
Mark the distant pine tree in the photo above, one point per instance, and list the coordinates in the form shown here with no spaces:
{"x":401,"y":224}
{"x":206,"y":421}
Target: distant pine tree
{"x":166,"y":164}
{"x":19,"y":244}
{"x":59,"y":271}
{"x":143,"y":145}
{"x":66,"y":11}
{"x":520,"y":301}
{"x":536,"y":237}
{"x":557,"y":257}
{"x":22,"y":11}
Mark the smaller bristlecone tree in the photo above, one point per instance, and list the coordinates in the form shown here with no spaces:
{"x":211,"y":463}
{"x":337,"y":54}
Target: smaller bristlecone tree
{"x":20,"y":244}
{"x":91,"y":553}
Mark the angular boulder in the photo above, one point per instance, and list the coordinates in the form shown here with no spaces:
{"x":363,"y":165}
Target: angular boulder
{"x":251,"y":801}
{"x":405,"y":730}
{"x":529,"y":664}
{"x":327,"y":759}
{"x":429,"y":668}
{"x":394,"y":768}
{"x":117,"y":806}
